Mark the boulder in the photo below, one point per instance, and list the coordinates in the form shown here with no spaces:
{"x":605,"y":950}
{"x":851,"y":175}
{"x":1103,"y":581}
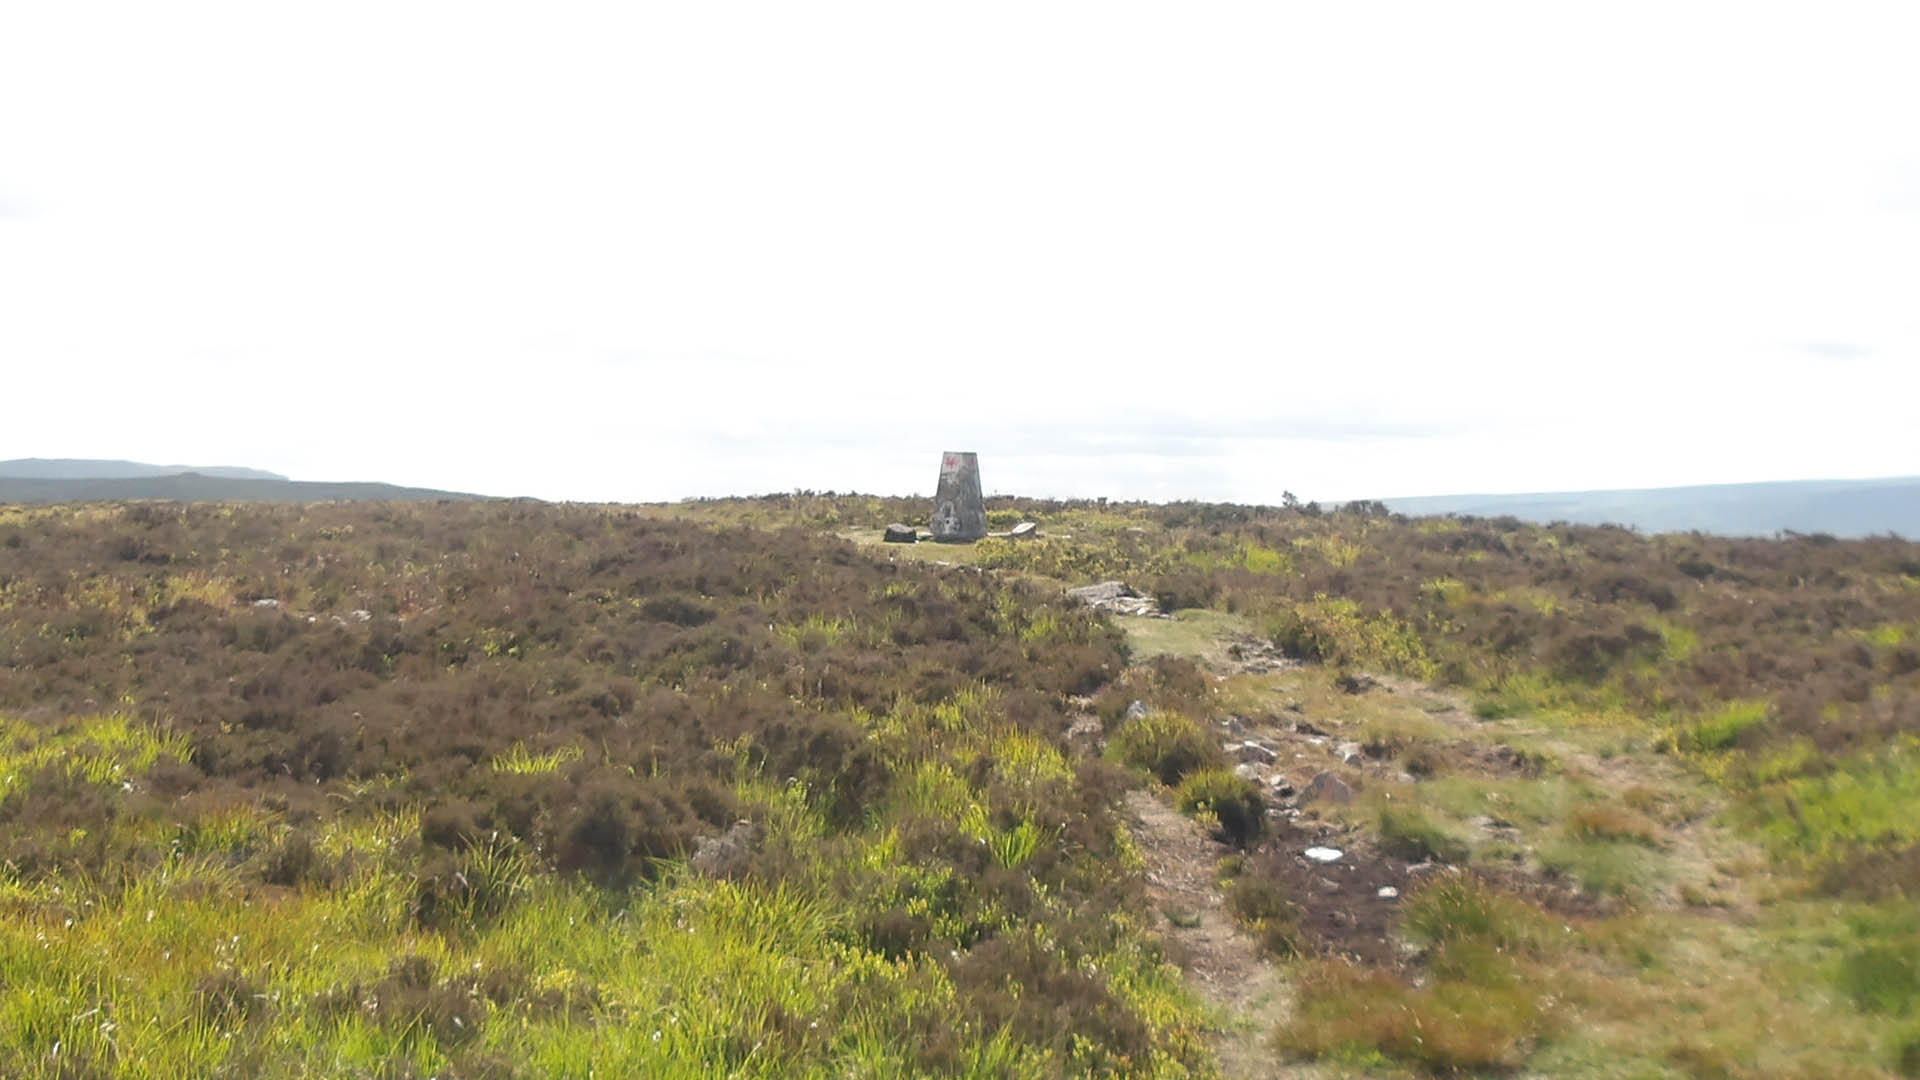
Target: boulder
{"x":727,"y":855}
{"x":899,"y":534}
{"x":1115,"y":597}
{"x":1024,"y":530}
{"x":1085,"y":728}
{"x":1328,"y":788}
{"x":1103,"y":592}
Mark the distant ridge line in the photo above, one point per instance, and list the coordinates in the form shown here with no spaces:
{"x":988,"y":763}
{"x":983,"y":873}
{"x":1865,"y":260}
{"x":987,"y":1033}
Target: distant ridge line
{"x":195,"y":488}
{"x":106,"y":469}
{"x":1844,"y":508}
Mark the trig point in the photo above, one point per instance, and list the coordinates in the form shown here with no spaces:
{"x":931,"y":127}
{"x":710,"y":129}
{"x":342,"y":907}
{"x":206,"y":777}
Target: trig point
{"x":959,"y":510}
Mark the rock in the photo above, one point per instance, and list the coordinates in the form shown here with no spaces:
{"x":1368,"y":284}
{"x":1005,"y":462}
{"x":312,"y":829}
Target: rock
{"x":1024,"y":530}
{"x":1100,"y":592}
{"x":727,"y":855}
{"x":266,"y":604}
{"x":1282,"y":789}
{"x":1115,"y":597}
{"x":1348,"y":753}
{"x":1247,"y":770}
{"x":360,"y":615}
{"x":1138,"y":710}
{"x":1328,"y":788}
{"x":899,"y":534}
{"x":1085,"y":727}
{"x":1251,"y":751}
{"x":1323,"y":854}
{"x":1356,"y":684}
{"x":1387,"y":892}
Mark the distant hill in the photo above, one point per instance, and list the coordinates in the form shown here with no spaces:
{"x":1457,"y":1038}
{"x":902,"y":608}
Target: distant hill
{"x":193,"y":487}
{"x":1847,"y":508}
{"x":89,"y":469}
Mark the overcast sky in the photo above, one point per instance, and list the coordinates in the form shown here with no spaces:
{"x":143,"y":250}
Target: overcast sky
{"x":642,"y":251}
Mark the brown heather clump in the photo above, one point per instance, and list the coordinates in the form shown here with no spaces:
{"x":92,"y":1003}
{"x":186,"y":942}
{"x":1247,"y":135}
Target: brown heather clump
{"x":433,"y":643}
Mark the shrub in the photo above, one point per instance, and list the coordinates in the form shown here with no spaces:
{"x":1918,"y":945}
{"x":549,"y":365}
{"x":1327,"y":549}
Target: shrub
{"x":1606,"y":821}
{"x":1345,"y":1010}
{"x":1906,"y":1052}
{"x":1167,"y":745}
{"x":295,"y":861}
{"x":1260,"y":903}
{"x":226,"y":996}
{"x":1463,"y":908}
{"x":1234,"y":802}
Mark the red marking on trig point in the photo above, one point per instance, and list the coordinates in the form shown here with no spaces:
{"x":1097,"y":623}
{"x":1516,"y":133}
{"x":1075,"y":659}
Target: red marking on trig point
{"x":951,"y":463}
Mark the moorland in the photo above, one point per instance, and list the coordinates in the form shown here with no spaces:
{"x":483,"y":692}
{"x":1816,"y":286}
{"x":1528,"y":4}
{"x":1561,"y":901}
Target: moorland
{"x":727,"y":787}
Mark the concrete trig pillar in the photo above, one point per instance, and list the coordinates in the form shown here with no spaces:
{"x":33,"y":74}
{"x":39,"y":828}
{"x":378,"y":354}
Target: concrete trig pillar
{"x":959,"y":510}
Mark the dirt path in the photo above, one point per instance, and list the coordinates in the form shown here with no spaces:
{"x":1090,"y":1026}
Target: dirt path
{"x":1221,"y":961}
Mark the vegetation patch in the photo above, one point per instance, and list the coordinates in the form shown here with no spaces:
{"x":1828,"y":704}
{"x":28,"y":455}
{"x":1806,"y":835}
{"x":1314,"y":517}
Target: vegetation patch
{"x":1167,"y":745}
{"x":436,"y":809}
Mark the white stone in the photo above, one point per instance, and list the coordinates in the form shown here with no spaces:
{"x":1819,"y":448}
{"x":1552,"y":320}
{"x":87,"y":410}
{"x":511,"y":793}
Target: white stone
{"x":1251,"y":751}
{"x":1323,"y":854}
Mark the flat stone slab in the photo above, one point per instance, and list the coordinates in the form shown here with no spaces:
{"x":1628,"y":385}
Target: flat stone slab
{"x":1114,"y":597}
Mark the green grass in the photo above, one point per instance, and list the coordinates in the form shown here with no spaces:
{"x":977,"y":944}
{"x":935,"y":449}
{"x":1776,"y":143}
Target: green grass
{"x":1601,"y":866}
{"x":104,"y":749}
{"x":1725,"y":727}
{"x":1188,"y":632}
{"x":688,"y":977}
{"x":1407,"y":831}
{"x":519,"y":760}
{"x":1865,"y":802}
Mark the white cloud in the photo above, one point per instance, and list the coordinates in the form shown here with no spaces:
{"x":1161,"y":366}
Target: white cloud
{"x":605,"y":251}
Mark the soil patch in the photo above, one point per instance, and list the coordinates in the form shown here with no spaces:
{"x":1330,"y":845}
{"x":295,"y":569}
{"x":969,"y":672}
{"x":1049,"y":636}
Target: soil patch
{"x":1222,"y":962}
{"x":1346,"y":907}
